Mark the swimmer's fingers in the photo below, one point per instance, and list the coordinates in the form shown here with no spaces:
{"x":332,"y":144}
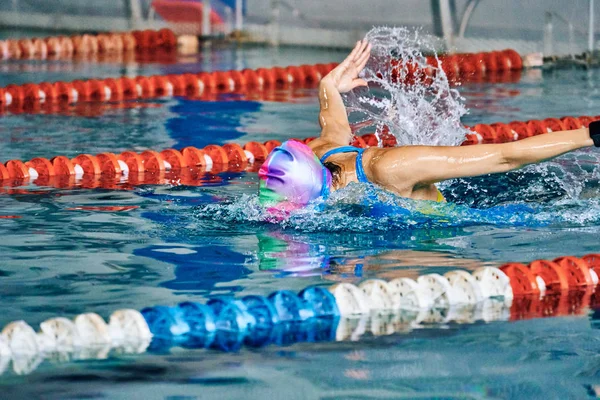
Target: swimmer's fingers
{"x":354,"y":53}
{"x":359,"y":82}
{"x":364,"y":57}
{"x":361,"y":49}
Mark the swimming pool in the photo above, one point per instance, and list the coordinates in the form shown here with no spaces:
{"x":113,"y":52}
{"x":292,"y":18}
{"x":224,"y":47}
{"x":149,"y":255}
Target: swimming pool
{"x":71,"y":251}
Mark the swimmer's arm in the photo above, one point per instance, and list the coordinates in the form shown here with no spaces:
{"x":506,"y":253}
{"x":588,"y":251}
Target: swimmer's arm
{"x":333,"y":118}
{"x":434,"y":164}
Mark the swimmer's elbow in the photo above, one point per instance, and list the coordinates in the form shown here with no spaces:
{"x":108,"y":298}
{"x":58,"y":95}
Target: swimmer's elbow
{"x":510,"y":157}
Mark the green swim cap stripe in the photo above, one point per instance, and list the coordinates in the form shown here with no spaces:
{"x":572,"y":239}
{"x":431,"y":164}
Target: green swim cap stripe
{"x":267,"y":196}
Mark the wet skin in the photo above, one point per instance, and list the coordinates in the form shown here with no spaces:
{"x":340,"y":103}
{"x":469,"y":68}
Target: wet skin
{"x":412,"y":171}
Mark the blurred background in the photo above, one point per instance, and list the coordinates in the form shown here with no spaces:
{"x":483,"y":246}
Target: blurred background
{"x":551,"y":26}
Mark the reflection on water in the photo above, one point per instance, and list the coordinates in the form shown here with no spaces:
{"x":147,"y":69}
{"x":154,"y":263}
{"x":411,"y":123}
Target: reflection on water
{"x":296,"y":257}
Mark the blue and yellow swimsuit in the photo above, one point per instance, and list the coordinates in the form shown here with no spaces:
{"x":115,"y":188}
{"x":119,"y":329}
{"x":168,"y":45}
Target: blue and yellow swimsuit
{"x":360,"y":171}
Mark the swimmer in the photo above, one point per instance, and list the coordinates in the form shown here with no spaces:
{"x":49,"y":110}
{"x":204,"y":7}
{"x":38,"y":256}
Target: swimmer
{"x":295,"y":174}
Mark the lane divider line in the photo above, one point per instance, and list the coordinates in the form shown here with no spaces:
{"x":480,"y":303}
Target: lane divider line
{"x":65,"y":47}
{"x":343,"y":311}
{"x":30,"y":96}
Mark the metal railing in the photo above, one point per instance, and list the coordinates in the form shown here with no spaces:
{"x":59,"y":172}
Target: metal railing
{"x":550,"y":17}
{"x":572,"y":31}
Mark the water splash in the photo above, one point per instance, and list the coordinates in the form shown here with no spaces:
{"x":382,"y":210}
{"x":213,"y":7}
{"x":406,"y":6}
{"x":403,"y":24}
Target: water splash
{"x":411,"y":99}
{"x":366,"y":208}
{"x":418,"y":108}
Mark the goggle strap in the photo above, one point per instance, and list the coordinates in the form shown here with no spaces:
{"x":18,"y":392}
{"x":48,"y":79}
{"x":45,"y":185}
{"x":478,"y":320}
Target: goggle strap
{"x":325,"y":188}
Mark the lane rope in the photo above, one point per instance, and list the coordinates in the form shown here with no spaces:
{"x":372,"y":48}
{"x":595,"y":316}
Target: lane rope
{"x":67,"y":47}
{"x":30,"y":96}
{"x":343,"y":311}
{"x":127,"y":169}
{"x":516,"y":130}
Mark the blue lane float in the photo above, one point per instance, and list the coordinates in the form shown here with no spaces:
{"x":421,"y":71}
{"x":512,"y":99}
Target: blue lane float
{"x":227,"y":324}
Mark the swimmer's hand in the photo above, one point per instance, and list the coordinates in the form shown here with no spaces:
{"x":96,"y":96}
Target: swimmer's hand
{"x":345,"y":76}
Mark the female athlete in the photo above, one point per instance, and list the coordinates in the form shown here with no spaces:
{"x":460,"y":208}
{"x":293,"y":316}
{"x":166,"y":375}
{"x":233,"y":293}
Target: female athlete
{"x":295,"y":174}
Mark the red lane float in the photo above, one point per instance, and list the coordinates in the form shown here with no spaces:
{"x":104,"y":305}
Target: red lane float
{"x":197,"y":85}
{"x":148,"y":167}
{"x":567,"y":285}
{"x":547,"y":277}
{"x":463,"y":67}
{"x":554,"y":276}
{"x":63,"y":47}
{"x":522,"y":280}
{"x":203,"y":85}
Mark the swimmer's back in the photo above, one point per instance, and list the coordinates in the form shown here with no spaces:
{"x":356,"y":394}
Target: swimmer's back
{"x":383,"y":167}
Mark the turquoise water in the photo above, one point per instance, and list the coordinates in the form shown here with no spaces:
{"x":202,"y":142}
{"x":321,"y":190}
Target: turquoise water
{"x":69,"y":252}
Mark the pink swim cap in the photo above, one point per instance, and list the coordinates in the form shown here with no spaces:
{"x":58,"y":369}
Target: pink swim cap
{"x":292,"y":173}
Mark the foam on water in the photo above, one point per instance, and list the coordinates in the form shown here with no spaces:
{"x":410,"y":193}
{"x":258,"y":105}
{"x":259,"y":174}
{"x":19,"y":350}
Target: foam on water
{"x":365,"y":208}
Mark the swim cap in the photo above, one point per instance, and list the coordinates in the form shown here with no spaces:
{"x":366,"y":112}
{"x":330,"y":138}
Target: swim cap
{"x":292,"y":173}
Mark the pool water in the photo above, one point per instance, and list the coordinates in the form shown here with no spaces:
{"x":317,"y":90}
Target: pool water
{"x":70,"y":251}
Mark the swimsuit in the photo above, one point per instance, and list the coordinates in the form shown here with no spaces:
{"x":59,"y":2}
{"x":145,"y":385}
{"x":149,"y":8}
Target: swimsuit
{"x":440,"y":196}
{"x":360,"y":171}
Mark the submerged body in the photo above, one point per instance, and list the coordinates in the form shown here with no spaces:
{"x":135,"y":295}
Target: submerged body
{"x":408,"y":171}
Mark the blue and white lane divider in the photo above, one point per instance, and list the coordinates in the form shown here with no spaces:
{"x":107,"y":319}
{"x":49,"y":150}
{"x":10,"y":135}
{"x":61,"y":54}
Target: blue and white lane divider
{"x":342,"y":311}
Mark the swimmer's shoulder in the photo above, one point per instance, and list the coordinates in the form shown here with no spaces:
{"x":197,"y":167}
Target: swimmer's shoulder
{"x":391,"y":167}
{"x":321,"y":146}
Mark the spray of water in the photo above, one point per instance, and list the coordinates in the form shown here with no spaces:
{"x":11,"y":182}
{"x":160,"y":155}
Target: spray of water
{"x":409,"y":98}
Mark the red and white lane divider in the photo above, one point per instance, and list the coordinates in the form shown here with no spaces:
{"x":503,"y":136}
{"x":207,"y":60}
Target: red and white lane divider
{"x":27,"y":96}
{"x":107,"y":169}
{"x":147,"y":167}
{"x":490,"y":133}
{"x":149,"y":87}
{"x":186,"y":165}
{"x":65,"y":47}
